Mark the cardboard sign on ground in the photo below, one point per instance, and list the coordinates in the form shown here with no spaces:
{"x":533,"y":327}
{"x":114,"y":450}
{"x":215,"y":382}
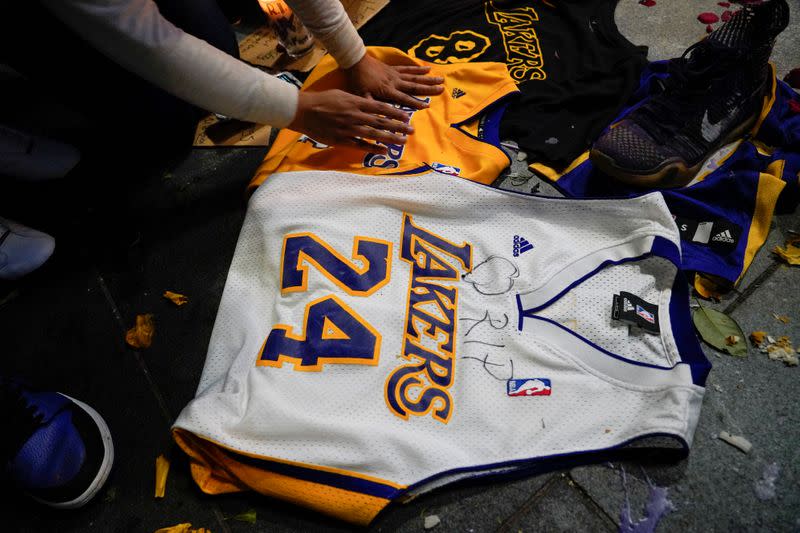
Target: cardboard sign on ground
{"x":261,"y":48}
{"x":212,"y":131}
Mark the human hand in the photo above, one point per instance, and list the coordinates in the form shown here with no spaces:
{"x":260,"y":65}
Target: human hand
{"x":338,"y":118}
{"x":373,"y":78}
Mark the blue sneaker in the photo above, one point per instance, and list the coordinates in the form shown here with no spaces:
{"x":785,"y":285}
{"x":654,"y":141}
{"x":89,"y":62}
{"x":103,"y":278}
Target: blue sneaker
{"x":22,"y":249}
{"x":34,"y":158}
{"x":58,"y":450}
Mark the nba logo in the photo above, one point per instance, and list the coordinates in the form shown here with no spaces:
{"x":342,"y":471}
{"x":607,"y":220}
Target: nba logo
{"x":642,"y":312}
{"x":446,"y":169}
{"x":529,"y":387}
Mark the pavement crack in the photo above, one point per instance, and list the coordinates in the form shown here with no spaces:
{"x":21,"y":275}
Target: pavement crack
{"x":745,"y":294}
{"x":596,"y":507}
{"x":223,"y":525}
{"x":508,"y":523}
{"x":162,"y":405}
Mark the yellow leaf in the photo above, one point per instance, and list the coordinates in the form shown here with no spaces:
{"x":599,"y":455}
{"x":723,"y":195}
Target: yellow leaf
{"x":791,"y":252}
{"x":781,"y":318}
{"x":177,"y":299}
{"x":177,"y":528}
{"x":783,"y":342}
{"x":185,"y":527}
{"x":141,"y":335}
{"x":782,"y":350}
{"x":162,"y":470}
{"x":757,"y":337}
{"x":707,"y":289}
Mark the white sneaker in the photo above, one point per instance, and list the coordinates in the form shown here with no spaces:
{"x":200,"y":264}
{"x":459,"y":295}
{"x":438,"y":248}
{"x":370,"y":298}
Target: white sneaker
{"x":22,"y":249}
{"x":32,"y":157}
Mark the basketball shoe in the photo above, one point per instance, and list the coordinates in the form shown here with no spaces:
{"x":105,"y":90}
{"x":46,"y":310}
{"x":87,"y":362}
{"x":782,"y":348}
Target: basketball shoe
{"x":714,"y":94}
{"x":22,"y":249}
{"x":56,"y":449}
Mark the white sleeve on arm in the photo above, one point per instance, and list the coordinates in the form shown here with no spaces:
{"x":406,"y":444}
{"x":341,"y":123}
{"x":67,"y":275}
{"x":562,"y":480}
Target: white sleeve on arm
{"x":134,"y":34}
{"x":329,"y":23}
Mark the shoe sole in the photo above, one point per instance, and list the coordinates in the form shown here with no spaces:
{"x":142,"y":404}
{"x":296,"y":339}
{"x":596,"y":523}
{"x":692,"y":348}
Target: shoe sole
{"x":105,"y":465}
{"x":673,"y":173}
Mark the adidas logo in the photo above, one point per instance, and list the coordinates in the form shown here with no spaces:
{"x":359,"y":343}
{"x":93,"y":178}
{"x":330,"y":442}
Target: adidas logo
{"x":521,"y":245}
{"x":724,"y":236}
{"x":458,"y":93}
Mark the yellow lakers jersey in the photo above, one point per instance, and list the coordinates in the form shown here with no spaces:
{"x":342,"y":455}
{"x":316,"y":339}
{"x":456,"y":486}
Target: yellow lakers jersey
{"x":448,"y":137}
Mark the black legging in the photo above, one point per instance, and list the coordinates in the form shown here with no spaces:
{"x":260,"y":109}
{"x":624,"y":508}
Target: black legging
{"x":120,"y":105}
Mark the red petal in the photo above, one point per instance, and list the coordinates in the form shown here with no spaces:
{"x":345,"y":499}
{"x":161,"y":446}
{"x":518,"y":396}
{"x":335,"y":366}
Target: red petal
{"x":709,"y":28}
{"x":648,"y":3}
{"x":724,"y":4}
{"x":708,"y":18}
{"x":726,"y":16}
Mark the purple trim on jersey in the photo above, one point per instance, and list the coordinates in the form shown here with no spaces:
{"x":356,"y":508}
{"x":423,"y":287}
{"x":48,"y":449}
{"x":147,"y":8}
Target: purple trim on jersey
{"x":701,"y":202}
{"x":601,"y":266}
{"x":520,"y":312}
{"x":683,"y":332}
{"x":543,"y":464}
{"x":600,"y":348}
{"x":667,"y":249}
{"x":418,"y":170}
{"x":341,"y":481}
{"x":491,"y":124}
{"x":661,"y":247}
{"x":678,"y":309}
{"x":494,"y":114}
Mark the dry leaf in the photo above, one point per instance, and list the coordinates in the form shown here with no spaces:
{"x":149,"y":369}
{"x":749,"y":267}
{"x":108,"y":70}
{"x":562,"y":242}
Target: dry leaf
{"x":186,"y":527}
{"x":782,"y":350}
{"x":757,"y":337}
{"x":730,"y":340}
{"x":718,"y":329}
{"x":781,"y":318}
{"x":791,"y":252}
{"x":162,"y":470}
{"x":707,"y":288}
{"x":141,"y":335}
{"x":177,"y":299}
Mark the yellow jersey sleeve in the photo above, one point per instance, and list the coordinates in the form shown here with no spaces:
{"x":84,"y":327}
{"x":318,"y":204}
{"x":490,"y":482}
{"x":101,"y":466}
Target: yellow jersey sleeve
{"x":445,"y":134}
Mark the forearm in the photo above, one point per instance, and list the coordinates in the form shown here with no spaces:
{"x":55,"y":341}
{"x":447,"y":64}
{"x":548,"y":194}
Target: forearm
{"x":329,"y":23}
{"x":134,"y":34}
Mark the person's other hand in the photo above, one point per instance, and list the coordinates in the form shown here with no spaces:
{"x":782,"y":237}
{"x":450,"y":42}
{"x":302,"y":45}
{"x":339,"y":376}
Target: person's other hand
{"x":338,"y":118}
{"x":373,"y":78}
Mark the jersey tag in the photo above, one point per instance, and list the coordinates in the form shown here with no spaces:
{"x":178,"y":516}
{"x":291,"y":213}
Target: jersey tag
{"x":635,"y":311}
{"x":720,"y":235}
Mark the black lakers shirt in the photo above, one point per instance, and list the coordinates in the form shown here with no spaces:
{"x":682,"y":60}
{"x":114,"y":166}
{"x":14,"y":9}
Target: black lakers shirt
{"x":573,"y":67}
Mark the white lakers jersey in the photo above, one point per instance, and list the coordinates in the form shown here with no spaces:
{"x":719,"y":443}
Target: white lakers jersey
{"x":379,"y":336}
